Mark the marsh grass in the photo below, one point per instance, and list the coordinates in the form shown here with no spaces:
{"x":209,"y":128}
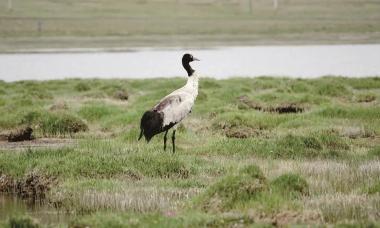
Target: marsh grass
{"x":142,"y":200}
{"x":320,"y":166}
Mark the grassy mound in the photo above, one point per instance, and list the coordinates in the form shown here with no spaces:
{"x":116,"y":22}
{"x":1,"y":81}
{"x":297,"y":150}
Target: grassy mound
{"x":53,"y":124}
{"x":254,"y":172}
{"x":329,"y":89}
{"x":81,"y":87}
{"x":292,"y":185}
{"x":232,"y":190}
{"x":321,"y":144}
{"x":62,"y":124}
{"x":249,"y":189}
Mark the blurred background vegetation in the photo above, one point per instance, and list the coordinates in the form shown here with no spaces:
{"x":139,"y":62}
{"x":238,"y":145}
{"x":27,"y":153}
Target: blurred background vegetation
{"x":115,"y":23}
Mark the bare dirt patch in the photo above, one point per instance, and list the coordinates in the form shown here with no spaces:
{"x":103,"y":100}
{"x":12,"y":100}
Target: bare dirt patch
{"x":58,"y":106}
{"x":354,"y":132}
{"x":121,"y":95}
{"x":366,"y":98}
{"x":16,"y":135}
{"x":37,"y":143}
{"x":246,"y":103}
{"x":286,"y":108}
{"x":241,"y":132}
{"x":22,"y":134}
{"x":3,"y":137}
{"x":292,"y":217}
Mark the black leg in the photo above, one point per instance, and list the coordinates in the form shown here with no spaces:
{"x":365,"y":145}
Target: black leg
{"x":173,"y":141}
{"x":165,"y":138}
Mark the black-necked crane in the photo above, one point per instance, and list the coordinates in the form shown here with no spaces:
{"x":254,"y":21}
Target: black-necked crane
{"x":173,"y":108}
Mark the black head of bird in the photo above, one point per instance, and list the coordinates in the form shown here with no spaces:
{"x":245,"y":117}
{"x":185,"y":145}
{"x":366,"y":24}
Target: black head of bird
{"x":186,"y":59}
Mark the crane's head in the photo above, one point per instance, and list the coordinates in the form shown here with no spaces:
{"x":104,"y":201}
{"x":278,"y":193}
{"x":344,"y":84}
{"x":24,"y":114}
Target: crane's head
{"x":188,"y":58}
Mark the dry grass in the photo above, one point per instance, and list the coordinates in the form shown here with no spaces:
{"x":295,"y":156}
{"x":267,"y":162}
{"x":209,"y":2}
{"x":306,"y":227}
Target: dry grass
{"x":327,"y":176}
{"x":337,"y":189}
{"x":346,"y":207}
{"x":140,"y":200}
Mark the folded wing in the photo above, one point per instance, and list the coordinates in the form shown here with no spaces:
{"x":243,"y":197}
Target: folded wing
{"x":175,"y":108}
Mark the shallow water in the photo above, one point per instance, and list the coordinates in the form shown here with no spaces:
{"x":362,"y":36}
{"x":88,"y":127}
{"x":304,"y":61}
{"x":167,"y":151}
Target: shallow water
{"x":13,"y":206}
{"x":292,"y":61}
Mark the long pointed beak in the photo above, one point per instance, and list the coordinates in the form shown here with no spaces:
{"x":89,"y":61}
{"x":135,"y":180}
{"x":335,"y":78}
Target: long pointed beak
{"x":195,"y":59}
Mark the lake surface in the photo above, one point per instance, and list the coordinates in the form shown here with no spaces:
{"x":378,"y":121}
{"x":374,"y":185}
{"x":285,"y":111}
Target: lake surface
{"x":13,"y":206}
{"x":291,"y":61}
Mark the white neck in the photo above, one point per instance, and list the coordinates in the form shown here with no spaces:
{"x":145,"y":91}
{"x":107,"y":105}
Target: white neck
{"x":192,"y":84}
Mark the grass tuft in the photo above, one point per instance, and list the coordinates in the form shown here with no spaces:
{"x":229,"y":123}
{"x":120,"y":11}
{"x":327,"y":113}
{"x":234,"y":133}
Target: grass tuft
{"x":254,"y":172}
{"x":374,"y":189}
{"x":81,"y":87}
{"x":62,"y":124}
{"x":325,"y":144}
{"x":374,"y":152}
{"x":331,"y":89}
{"x":292,"y":185}
{"x":22,"y":222}
{"x":53,"y":123}
{"x":232,"y":190}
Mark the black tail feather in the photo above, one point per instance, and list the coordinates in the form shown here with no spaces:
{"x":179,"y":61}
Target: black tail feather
{"x":151,"y":124}
{"x":141,"y":134}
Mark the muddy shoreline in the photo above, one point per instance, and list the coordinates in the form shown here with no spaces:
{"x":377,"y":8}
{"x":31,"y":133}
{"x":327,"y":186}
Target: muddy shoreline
{"x":37,"y":143}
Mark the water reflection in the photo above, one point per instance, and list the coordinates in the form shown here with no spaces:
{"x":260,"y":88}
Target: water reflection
{"x":12,"y":206}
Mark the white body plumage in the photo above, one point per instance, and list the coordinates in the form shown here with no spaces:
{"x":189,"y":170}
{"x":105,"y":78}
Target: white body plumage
{"x":178,"y":104}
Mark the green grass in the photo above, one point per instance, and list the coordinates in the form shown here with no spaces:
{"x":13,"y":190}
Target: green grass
{"x":233,"y":190}
{"x":374,"y":189}
{"x":320,"y":166}
{"x":115,"y":23}
{"x":22,"y":222}
{"x":96,"y":111}
{"x":291,"y":185}
{"x":53,"y":123}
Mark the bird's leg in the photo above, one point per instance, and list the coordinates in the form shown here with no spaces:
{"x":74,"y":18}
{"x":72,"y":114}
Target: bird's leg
{"x":173,"y":141}
{"x":165,"y":138}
